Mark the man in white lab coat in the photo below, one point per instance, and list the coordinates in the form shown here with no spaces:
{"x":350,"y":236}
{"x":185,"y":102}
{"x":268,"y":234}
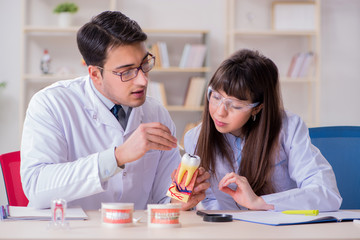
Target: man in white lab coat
{"x":74,"y":148}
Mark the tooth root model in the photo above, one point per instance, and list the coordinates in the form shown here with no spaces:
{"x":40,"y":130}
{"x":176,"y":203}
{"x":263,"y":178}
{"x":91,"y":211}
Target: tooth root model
{"x":188,"y":163}
{"x":185,"y":177}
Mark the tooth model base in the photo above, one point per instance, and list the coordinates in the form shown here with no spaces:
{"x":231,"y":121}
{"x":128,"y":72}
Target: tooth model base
{"x":179,"y":191}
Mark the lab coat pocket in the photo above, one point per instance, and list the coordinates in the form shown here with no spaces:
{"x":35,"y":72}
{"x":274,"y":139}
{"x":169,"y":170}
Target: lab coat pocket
{"x":150,"y":163}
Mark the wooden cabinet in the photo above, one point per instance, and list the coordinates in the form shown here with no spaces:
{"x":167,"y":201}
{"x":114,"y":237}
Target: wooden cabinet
{"x":251,"y":24}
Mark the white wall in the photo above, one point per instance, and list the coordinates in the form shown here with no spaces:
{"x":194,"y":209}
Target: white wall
{"x":10,"y":67}
{"x":340,"y":63}
{"x":340,"y":54}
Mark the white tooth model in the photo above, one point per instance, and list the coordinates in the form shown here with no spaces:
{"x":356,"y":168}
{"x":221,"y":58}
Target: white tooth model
{"x":189,"y":163}
{"x":181,"y":189}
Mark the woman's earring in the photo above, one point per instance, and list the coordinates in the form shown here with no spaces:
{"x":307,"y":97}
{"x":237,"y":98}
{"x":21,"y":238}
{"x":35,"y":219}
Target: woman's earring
{"x":254,"y":117}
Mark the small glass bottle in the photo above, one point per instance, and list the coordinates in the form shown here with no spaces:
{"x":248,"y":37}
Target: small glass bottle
{"x":45,"y":62}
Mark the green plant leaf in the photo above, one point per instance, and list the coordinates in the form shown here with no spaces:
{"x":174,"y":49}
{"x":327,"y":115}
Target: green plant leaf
{"x":66,"y":7}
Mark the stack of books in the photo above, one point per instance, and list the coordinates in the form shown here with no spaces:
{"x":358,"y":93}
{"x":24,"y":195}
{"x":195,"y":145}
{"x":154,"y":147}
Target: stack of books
{"x":195,"y":92}
{"x":301,"y":64}
{"x":157,"y":91}
{"x":160,"y":51}
{"x":193,"y":56}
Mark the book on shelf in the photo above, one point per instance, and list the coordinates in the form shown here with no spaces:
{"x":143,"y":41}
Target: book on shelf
{"x":184,"y":55}
{"x":157,"y":91}
{"x":193,"y":56}
{"x":292,"y":64}
{"x":154,"y":49}
{"x":164,"y":55}
{"x":160,"y":51}
{"x":195,"y":92}
{"x":300,"y":65}
{"x":307,"y":65}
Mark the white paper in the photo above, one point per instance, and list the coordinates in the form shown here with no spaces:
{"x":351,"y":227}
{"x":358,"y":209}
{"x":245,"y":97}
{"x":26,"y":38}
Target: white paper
{"x":29,"y":213}
{"x":278,"y":218}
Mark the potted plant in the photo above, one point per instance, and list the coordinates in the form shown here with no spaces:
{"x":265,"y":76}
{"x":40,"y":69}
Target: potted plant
{"x":65,"y":11}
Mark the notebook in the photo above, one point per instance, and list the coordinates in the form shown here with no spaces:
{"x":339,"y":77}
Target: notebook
{"x":278,"y":219}
{"x":28,"y":213}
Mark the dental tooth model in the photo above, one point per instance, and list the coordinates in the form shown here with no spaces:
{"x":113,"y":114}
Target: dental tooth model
{"x":185,"y":178}
{"x":189,"y":163}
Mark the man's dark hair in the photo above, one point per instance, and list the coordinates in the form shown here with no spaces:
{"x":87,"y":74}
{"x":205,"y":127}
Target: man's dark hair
{"x":104,"y":31}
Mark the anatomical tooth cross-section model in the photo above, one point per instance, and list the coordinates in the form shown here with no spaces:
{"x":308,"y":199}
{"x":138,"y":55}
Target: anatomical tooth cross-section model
{"x":185,"y":178}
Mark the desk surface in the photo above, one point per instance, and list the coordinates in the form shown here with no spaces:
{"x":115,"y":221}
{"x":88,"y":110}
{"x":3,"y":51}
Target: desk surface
{"x":192,"y":228}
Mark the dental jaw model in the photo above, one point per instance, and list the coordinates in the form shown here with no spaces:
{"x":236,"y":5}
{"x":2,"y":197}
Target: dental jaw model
{"x":185,"y":178}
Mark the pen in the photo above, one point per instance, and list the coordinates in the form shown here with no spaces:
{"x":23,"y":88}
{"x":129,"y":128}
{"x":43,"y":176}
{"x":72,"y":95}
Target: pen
{"x":3,"y":214}
{"x":7,"y":210}
{"x":304,"y":212}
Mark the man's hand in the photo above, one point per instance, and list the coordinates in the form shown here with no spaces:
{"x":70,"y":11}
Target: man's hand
{"x":198,"y":193}
{"x":146,"y":137}
{"x":243,"y":194}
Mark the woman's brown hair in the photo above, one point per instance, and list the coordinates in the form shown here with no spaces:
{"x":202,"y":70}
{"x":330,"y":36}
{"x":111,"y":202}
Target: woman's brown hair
{"x":246,"y":75}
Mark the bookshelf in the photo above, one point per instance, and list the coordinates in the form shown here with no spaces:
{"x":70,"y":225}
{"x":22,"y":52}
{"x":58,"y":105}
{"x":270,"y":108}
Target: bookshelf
{"x":254,"y":24}
{"x":175,"y":78}
{"x":40,"y":31}
{"x":174,"y":74}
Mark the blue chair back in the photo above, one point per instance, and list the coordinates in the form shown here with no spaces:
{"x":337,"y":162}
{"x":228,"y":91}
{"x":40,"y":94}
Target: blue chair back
{"x":340,"y":145}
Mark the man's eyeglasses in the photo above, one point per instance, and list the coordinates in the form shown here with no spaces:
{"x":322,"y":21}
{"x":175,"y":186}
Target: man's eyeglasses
{"x":147,"y":64}
{"x":215,"y":99}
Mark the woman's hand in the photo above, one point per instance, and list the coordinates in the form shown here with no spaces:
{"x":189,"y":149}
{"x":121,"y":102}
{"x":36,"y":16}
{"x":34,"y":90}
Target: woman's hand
{"x":198,"y":193}
{"x":243,"y":194}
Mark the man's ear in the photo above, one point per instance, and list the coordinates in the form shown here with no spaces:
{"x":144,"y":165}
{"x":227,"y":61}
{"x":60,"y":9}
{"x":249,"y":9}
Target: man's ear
{"x":95,"y":74}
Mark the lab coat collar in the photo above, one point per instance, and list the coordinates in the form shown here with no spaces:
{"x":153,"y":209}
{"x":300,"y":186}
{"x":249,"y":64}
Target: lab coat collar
{"x":135,"y":119}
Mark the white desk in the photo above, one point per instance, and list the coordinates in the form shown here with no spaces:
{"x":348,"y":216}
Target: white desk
{"x":192,"y":228}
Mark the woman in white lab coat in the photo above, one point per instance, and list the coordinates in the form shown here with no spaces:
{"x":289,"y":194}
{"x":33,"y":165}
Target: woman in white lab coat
{"x":260,"y":156}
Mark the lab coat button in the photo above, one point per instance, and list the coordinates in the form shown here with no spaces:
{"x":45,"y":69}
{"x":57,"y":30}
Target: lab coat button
{"x":124,"y":174}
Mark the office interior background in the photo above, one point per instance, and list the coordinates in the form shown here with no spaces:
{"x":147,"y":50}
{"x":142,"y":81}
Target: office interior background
{"x":339,"y":65}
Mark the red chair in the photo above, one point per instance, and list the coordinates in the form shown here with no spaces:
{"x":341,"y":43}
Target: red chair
{"x":10,"y":165}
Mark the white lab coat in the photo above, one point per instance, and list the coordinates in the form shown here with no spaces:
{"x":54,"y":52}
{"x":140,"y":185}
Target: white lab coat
{"x":65,"y":129}
{"x":302,"y":177}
